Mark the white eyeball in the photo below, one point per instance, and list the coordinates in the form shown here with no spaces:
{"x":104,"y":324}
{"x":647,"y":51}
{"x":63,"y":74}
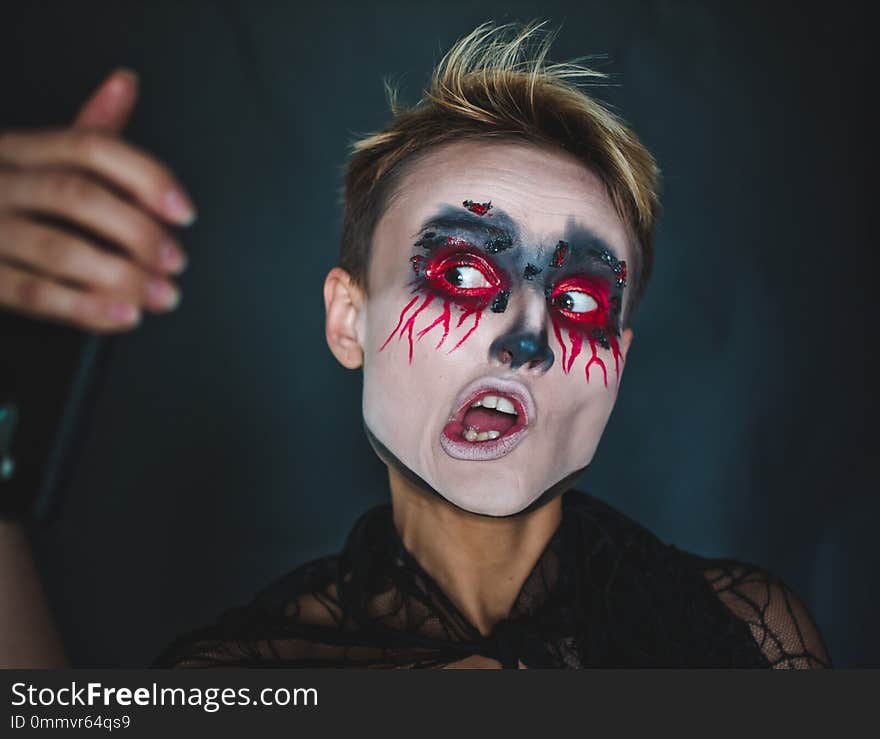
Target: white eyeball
{"x":466,"y":277}
{"x":576,"y":301}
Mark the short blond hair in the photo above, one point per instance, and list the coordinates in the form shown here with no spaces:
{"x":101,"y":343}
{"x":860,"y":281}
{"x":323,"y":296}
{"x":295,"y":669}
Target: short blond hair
{"x":496,"y":82}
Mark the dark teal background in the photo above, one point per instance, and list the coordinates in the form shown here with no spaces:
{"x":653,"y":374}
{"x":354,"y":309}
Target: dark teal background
{"x":226,"y":444}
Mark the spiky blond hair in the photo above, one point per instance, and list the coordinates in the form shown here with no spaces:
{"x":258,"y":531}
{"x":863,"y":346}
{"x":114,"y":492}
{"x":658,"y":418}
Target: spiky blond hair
{"x":496,"y":82}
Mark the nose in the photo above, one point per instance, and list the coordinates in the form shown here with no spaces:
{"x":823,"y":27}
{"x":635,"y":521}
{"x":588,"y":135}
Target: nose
{"x":523,"y":348}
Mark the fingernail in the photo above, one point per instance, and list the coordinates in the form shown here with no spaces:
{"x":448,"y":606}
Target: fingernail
{"x":117,"y":84}
{"x":130,"y":73}
{"x":124,"y":313}
{"x":160,"y":294}
{"x":179,"y":208}
{"x":172,"y":258}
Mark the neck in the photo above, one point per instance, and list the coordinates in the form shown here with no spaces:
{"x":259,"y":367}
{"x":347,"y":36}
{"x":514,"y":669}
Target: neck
{"x":480,"y":562}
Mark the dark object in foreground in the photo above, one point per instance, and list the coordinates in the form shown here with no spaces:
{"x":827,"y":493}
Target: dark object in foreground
{"x":49,"y":377}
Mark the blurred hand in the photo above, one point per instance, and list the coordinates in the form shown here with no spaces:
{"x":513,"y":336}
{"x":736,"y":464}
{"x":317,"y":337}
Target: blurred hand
{"x":63,"y":194}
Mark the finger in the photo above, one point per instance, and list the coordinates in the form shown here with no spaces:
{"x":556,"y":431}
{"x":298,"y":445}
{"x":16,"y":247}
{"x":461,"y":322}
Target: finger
{"x":110,"y":106}
{"x":38,"y":297}
{"x":90,"y":205}
{"x":60,"y":255}
{"x":133,"y":171}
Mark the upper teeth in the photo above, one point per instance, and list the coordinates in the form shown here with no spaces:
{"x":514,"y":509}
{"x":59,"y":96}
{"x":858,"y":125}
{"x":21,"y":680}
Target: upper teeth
{"x":498,"y":403}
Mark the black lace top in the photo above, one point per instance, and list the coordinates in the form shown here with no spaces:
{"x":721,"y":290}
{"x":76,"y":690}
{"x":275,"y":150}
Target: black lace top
{"x":604,"y":593}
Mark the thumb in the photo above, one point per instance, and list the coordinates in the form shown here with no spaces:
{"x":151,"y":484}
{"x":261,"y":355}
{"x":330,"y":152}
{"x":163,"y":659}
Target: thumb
{"x":109,"y":107}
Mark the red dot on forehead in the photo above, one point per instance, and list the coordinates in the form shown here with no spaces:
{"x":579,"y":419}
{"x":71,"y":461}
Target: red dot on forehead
{"x":479,"y":208}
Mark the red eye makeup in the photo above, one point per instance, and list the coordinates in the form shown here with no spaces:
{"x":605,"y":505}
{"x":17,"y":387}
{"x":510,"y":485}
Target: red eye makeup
{"x":458,"y":274}
{"x":462,"y":274}
{"x":582,"y":280}
{"x":582,"y":299}
{"x":583,"y":306}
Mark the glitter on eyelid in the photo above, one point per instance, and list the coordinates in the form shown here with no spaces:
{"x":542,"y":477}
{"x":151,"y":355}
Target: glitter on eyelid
{"x":498,"y":243}
{"x":499,"y":303}
{"x":618,"y":266}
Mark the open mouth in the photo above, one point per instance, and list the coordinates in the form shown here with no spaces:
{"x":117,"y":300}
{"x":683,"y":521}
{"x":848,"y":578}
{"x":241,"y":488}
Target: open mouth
{"x":492,"y":417}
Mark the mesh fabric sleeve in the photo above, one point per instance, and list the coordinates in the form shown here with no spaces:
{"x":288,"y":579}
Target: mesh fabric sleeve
{"x":780,"y":623}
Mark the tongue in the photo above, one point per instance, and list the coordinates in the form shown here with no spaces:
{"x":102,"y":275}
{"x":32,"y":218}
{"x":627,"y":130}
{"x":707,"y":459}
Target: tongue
{"x":487,"y":419}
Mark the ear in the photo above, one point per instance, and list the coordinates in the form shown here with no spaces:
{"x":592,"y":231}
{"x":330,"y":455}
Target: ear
{"x":343,"y":302}
{"x":625,"y":340}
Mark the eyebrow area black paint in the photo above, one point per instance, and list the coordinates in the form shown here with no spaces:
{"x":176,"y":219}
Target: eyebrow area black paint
{"x":456,"y":218}
{"x":584,"y":246}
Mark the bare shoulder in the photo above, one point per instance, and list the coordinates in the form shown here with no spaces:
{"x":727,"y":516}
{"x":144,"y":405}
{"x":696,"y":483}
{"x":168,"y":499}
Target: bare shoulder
{"x":780,"y":622}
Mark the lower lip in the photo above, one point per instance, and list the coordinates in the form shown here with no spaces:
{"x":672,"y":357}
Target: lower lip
{"x":456,"y":446}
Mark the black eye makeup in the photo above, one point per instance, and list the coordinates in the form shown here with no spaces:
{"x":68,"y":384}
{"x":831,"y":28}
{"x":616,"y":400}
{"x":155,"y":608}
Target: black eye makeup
{"x":472,"y":259}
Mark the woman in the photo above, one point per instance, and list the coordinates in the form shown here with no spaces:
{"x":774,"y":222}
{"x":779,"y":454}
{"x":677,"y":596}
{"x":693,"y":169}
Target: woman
{"x":497,"y":239}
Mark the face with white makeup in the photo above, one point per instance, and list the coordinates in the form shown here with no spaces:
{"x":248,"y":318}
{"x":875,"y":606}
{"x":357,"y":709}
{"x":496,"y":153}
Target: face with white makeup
{"x":492,"y":337}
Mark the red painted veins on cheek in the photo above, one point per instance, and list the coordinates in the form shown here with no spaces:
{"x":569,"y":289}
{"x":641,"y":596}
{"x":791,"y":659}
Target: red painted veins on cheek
{"x":583,"y":307}
{"x":576,"y":337}
{"x":458,"y":275}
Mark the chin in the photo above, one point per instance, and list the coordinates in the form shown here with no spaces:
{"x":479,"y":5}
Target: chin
{"x":496,"y":498}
